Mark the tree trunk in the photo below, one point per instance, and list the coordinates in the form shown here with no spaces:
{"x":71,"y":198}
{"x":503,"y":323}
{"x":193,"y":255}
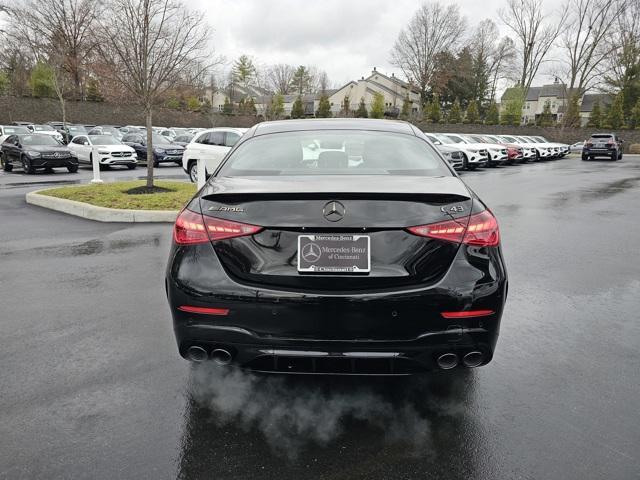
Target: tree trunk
{"x":150,"y":156}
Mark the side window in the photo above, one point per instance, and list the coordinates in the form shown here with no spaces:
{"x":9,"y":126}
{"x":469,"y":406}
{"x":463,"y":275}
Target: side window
{"x":231,"y":139}
{"x":216,"y":138}
{"x":78,"y":140}
{"x":203,"y":138}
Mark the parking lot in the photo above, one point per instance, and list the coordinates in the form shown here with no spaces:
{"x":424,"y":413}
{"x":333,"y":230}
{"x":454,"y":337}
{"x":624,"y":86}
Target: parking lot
{"x":93,"y":387}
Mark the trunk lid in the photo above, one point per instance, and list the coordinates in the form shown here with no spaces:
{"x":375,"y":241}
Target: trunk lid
{"x":379,"y":207}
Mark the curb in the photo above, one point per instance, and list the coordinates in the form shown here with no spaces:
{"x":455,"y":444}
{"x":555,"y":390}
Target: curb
{"x":99,"y":214}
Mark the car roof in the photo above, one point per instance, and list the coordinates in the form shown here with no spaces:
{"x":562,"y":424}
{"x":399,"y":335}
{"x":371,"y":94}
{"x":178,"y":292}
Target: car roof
{"x":280,"y":126}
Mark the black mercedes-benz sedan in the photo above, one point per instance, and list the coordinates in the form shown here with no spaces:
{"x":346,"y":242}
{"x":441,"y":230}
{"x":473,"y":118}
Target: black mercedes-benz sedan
{"x":36,"y":151}
{"x":338,"y":246}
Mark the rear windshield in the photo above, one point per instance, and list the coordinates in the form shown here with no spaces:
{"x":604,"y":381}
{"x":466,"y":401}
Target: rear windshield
{"x":15,"y":130}
{"x":104,"y":140}
{"x":606,"y":136}
{"x":334,"y":152}
{"x":44,"y":128}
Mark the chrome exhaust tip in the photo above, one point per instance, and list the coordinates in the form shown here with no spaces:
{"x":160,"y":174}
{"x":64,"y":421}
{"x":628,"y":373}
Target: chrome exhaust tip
{"x":473,"y":359}
{"x":447,"y":361}
{"x":221,"y":356}
{"x":196,"y":354}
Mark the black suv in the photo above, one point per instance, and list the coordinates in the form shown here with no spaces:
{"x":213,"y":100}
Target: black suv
{"x":602,"y":145}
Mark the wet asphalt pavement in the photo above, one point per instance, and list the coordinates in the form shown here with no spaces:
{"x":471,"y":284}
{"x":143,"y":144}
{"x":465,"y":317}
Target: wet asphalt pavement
{"x":91,"y":385}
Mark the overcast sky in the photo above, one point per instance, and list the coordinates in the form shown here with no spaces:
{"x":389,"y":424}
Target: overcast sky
{"x":346,"y":38}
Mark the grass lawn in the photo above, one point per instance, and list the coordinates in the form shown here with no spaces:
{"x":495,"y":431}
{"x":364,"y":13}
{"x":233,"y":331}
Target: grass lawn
{"x":114,"y":195}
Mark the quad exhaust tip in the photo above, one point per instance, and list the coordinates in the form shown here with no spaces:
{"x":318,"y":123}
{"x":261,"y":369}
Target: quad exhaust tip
{"x":473,"y":359}
{"x":196,"y":354}
{"x":221,"y":356}
{"x":448,"y":361}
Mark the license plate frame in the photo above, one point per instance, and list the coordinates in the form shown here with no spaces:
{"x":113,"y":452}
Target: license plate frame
{"x":336,"y":254}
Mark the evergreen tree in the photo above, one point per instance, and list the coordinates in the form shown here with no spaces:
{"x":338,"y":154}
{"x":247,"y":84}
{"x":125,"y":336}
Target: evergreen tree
{"x":635,"y":116}
{"x":324,"y":107}
{"x":377,"y":106}
{"x":251,"y":106}
{"x":346,"y":107}
{"x":513,"y":102}
{"x":93,"y":93}
{"x":572,"y":115}
{"x":595,"y":119}
{"x":472,"y":113}
{"x":406,"y":107}
{"x":4,"y":83}
{"x":244,"y":71}
{"x":362,"y":110}
{"x":302,"y":80}
{"x":493,"y":115}
{"x":615,"y":119}
{"x":41,"y":81}
{"x":277,"y":106}
{"x":434,"y":112}
{"x":426,"y":111}
{"x":297,"y":110}
{"x":227,"y":108}
{"x":546,"y":117}
{"x":604,"y":119}
{"x":455,"y":114}
{"x":193,"y":104}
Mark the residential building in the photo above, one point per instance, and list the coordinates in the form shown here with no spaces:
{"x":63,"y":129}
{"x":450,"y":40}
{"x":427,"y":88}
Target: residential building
{"x":391,"y":87}
{"x":556,"y":95}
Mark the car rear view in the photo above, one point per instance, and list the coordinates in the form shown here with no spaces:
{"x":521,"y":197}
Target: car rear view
{"x":344,"y":246}
{"x":606,"y":145}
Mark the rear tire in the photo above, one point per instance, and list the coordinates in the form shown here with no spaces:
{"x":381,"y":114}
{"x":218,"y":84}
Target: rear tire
{"x":585,"y":157}
{"x":614,"y":156}
{"x":620,"y":156}
{"x":72,"y":168}
{"x":193,"y":172}
{"x":465,"y":162}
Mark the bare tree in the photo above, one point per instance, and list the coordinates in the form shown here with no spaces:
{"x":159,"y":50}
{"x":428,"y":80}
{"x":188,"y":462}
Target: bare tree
{"x":535,"y":34}
{"x":584,"y":40}
{"x":281,"y":78}
{"x":496,"y":53}
{"x":433,"y":29}
{"x":151,"y":46}
{"x":60,"y":29}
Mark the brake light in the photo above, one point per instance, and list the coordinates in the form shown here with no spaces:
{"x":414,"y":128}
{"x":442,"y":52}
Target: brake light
{"x":193,"y":228}
{"x":467,"y":314}
{"x":480,"y":229}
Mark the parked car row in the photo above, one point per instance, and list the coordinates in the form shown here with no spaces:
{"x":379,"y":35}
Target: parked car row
{"x":29,"y":146}
{"x":471,"y":151}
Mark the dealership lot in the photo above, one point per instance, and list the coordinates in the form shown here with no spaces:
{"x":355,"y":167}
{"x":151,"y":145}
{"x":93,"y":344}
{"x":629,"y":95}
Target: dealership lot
{"x":92,"y":386}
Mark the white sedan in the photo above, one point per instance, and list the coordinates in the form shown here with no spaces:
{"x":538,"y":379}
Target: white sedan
{"x":106,"y":148}
{"x":211,"y":146}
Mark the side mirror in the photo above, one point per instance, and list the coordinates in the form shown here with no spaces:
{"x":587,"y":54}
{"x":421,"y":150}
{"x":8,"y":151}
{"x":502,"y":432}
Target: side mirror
{"x":85,"y":143}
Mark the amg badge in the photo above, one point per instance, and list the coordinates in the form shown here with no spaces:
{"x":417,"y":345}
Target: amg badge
{"x":226,"y":209}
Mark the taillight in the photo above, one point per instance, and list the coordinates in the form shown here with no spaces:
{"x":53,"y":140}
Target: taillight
{"x":192,"y":228}
{"x":480,"y":229}
{"x":189,"y":228}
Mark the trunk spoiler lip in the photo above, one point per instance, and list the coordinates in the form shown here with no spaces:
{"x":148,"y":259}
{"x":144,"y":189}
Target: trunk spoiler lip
{"x":344,"y":186}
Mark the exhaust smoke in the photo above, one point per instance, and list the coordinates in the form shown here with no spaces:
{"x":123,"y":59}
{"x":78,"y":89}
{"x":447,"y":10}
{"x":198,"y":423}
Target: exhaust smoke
{"x":296,"y":411}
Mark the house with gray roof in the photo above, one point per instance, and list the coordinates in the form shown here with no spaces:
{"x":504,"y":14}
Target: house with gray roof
{"x":557,"y":96}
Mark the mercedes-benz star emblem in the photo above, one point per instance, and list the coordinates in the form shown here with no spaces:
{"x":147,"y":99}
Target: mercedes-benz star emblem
{"x":311,"y":253}
{"x":334,"y":211}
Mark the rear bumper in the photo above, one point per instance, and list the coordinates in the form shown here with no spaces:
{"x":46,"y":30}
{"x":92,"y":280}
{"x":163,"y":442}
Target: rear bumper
{"x":384,"y":333}
{"x":598,"y":152}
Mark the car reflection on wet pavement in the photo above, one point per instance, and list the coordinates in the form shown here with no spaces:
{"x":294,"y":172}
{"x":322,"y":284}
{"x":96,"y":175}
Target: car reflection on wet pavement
{"x":92,"y":386}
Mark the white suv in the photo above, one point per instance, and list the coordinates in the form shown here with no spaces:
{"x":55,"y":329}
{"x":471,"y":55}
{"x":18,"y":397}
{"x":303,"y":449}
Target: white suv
{"x":211,"y":146}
